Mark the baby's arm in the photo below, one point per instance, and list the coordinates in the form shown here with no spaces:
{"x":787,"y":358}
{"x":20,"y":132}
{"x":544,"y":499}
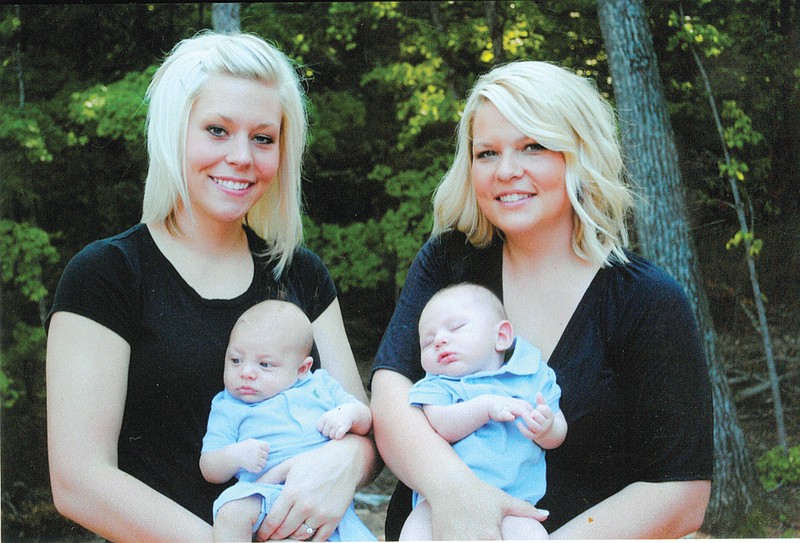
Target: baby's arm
{"x":457,"y":421}
{"x":352,"y":416}
{"x":219,"y":465}
{"x":545,"y":428}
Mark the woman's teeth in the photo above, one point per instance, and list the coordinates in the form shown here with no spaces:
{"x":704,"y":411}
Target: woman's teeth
{"x":231,"y":185}
{"x":513,"y":197}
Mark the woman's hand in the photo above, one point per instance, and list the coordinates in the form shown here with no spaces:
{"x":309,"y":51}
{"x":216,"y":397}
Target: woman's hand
{"x":476,"y":511}
{"x":320,"y":485}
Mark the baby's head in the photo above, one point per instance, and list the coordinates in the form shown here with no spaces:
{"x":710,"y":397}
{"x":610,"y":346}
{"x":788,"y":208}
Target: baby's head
{"x":268,"y":351}
{"x":463,"y":330}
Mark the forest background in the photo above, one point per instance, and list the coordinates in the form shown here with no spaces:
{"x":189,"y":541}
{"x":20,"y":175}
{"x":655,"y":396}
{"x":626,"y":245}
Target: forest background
{"x":385,"y":82}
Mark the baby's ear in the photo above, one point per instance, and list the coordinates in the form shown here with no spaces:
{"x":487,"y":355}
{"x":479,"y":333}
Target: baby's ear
{"x":505,"y":335}
{"x":304,"y":367}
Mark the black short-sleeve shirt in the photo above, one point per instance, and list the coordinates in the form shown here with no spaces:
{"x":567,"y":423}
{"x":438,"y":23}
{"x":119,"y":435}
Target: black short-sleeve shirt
{"x":178,"y":341}
{"x":630,"y":364}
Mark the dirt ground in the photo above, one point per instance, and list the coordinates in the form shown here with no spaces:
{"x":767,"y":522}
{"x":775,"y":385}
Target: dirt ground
{"x":742,"y":352}
{"x":373,"y":514}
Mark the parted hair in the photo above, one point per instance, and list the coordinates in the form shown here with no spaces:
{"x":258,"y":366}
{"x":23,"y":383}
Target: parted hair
{"x":276,"y":217}
{"x":563,"y":112}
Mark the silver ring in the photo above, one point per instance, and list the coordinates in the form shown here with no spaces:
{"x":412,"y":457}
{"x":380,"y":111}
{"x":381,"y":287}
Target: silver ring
{"x":309,"y":529}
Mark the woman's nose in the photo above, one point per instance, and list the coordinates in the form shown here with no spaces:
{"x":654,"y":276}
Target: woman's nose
{"x":508,"y":167}
{"x":239,"y":153}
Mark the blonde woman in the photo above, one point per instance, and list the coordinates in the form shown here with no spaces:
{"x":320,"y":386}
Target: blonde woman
{"x":140,"y":321}
{"x":534,"y":207}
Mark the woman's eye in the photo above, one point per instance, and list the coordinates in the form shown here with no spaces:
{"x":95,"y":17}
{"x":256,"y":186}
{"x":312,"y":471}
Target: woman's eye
{"x":216,"y":131}
{"x":484,"y":154}
{"x":263,"y":139}
{"x":535,"y":147}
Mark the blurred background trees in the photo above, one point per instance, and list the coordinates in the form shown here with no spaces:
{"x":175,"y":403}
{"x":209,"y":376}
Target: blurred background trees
{"x":385,"y":81}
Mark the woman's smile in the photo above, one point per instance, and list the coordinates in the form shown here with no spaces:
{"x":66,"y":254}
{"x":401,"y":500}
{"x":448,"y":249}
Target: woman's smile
{"x":232,"y":184}
{"x":519,"y":185}
{"x":233,"y":146}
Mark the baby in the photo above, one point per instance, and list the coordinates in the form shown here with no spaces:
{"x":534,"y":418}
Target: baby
{"x":480,"y":380}
{"x":273,"y":408}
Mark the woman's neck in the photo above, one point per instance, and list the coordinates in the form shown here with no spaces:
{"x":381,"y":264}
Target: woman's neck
{"x":543,"y":283}
{"x":538,"y":252}
{"x":207,"y":237}
{"x":215,"y":260}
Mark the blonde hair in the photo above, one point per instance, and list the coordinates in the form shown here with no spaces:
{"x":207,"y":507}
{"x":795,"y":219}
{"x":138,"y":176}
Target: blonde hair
{"x":276,"y":217}
{"x":563,"y":112}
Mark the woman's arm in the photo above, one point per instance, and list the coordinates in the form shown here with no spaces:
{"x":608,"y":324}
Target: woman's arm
{"x":335,"y":355}
{"x":87,"y":369}
{"x":463,"y":506}
{"x":643,"y":511}
{"x":338,"y":467}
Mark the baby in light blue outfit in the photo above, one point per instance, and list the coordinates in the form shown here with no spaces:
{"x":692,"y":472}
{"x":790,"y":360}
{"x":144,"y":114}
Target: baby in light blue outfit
{"x":273,"y":408}
{"x":491,"y":396}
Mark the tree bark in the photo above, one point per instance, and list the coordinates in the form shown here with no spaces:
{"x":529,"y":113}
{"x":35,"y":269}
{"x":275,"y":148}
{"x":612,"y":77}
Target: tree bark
{"x":494,"y":20}
{"x":664,"y":236}
{"x":225,"y":17}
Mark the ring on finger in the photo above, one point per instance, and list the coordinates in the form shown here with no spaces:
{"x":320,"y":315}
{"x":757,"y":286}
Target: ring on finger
{"x":309,"y":529}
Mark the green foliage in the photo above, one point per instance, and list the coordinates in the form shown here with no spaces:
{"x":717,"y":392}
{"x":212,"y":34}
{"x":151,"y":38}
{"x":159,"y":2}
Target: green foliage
{"x":28,"y":344}
{"x":352,"y":253}
{"x":332,"y":114}
{"x":778,"y":467}
{"x":734,"y":169}
{"x":22,"y":128}
{"x":692,"y":32}
{"x":747,"y":239}
{"x":8,"y":393}
{"x":740,"y":131}
{"x":113,"y":111}
{"x":24,"y":250}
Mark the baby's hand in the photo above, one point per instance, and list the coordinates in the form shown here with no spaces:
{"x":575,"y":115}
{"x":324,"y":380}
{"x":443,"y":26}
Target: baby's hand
{"x":335,"y":423}
{"x":505,"y":409}
{"x":539,"y":422}
{"x":251,"y":454}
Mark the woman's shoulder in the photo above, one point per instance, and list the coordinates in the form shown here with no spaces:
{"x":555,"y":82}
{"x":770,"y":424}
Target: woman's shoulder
{"x":641,"y":273}
{"x":454,"y":249}
{"x":450,"y":242}
{"x":100,"y":282}
{"x":639,"y":284}
{"x":119,"y":249}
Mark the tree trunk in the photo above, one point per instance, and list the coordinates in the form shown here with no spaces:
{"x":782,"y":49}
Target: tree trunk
{"x":494,"y":19}
{"x":225,"y":17}
{"x":663,"y":232}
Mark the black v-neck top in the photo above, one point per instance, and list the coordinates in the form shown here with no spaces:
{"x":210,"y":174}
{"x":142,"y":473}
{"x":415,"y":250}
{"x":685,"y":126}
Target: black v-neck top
{"x":178,"y":341}
{"x":630,"y":364}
